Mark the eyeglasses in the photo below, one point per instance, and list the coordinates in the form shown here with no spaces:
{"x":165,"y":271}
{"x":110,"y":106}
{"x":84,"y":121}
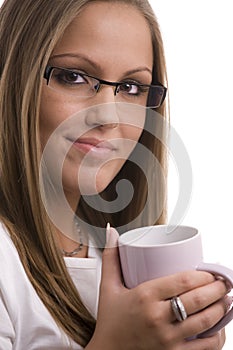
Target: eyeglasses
{"x":72,"y":82}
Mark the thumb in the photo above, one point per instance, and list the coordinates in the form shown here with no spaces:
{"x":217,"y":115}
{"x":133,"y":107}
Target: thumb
{"x":111,"y":270}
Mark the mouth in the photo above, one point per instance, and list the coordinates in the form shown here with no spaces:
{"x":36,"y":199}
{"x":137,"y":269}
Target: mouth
{"x":93,"y":146}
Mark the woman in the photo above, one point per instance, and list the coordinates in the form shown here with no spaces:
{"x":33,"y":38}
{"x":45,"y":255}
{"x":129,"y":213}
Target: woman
{"x":64,"y":63}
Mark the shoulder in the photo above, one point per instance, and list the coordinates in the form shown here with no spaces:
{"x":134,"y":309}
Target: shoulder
{"x":7,"y":247}
{"x":11,"y":267}
{"x":26,"y":322}
{"x":12,"y":276}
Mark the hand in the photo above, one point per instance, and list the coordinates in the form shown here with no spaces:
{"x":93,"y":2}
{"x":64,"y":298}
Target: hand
{"x":142,"y":318}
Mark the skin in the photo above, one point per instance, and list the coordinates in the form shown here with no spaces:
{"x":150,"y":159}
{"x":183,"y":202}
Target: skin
{"x":95,"y":52}
{"x":140,"y":318}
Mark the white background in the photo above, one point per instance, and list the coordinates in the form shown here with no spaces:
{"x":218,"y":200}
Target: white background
{"x":198,"y":44}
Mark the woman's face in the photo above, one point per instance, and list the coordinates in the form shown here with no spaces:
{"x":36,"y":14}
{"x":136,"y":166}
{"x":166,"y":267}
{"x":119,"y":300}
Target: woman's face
{"x":110,"y":41}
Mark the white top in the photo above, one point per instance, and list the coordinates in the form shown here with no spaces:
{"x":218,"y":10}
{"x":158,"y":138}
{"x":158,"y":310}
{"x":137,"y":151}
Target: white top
{"x":25,"y":323}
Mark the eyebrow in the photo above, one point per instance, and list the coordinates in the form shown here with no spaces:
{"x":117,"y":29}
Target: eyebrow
{"x":97,"y":66}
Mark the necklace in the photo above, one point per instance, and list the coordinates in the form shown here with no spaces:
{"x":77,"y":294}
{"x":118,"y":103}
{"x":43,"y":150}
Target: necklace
{"x":80,"y":246}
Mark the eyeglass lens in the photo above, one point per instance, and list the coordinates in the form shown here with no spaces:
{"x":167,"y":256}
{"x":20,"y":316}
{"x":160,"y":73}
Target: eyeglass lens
{"x":81,"y":85}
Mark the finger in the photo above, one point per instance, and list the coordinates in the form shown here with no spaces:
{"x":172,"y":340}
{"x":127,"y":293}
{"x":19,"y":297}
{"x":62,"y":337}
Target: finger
{"x":111,"y":271}
{"x":182,"y":282}
{"x":199,"y":298}
{"x":202,"y":321}
{"x":215,"y":342}
{"x":202,"y":297}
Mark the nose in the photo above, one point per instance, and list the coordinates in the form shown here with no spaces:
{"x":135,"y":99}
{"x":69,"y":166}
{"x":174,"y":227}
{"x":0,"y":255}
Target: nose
{"x":103,"y":111}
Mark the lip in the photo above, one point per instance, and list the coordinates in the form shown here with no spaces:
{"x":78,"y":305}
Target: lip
{"x":93,"y":145}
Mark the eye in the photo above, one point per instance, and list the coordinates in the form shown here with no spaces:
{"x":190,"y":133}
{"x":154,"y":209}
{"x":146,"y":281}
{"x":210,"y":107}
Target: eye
{"x":132,"y":88}
{"x":65,"y":76}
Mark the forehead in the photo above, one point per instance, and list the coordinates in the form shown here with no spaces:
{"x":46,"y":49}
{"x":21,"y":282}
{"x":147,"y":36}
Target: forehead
{"x":109,"y":32}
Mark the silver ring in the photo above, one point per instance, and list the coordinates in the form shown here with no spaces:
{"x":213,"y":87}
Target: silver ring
{"x":178,"y":309}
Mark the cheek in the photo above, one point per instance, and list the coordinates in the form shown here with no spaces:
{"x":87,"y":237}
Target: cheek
{"x":49,"y":119}
{"x":53,"y":111}
{"x":132,"y":133}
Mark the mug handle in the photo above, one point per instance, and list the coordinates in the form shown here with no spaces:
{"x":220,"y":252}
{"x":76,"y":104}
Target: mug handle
{"x":227,"y":274}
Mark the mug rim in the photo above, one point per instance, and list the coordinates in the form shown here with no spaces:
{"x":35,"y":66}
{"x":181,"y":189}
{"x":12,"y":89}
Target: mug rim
{"x":122,"y":241}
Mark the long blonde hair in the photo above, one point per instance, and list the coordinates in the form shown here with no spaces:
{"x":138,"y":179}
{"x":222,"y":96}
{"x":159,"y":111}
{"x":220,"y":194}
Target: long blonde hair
{"x":29,"y":31}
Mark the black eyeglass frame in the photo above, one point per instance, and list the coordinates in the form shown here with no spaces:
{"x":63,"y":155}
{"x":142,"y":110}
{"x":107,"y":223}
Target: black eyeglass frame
{"x":49,"y":69}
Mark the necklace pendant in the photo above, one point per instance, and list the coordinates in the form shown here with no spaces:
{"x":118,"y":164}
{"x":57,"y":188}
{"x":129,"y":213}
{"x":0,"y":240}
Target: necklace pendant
{"x":73,"y":252}
{"x":79,"y":248}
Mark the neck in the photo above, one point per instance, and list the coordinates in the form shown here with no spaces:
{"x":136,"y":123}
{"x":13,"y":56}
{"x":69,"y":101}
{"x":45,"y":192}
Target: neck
{"x":68,"y":245}
{"x":70,"y":238}
{"x":79,"y":240}
{"x":72,"y":199}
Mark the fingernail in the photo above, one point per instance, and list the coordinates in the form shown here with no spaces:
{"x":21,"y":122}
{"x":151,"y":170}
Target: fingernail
{"x":111,"y":237}
{"x":228,"y":301}
{"x":108,"y":235}
{"x":228,"y":286}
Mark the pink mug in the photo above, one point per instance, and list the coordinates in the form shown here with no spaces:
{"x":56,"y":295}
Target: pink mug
{"x":155,"y":251}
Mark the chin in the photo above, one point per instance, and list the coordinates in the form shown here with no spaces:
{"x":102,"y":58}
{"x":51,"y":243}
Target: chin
{"x":89,"y":188}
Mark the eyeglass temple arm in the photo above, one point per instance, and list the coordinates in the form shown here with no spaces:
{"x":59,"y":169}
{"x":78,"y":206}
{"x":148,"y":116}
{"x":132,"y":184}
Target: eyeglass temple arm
{"x":47,"y":73}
